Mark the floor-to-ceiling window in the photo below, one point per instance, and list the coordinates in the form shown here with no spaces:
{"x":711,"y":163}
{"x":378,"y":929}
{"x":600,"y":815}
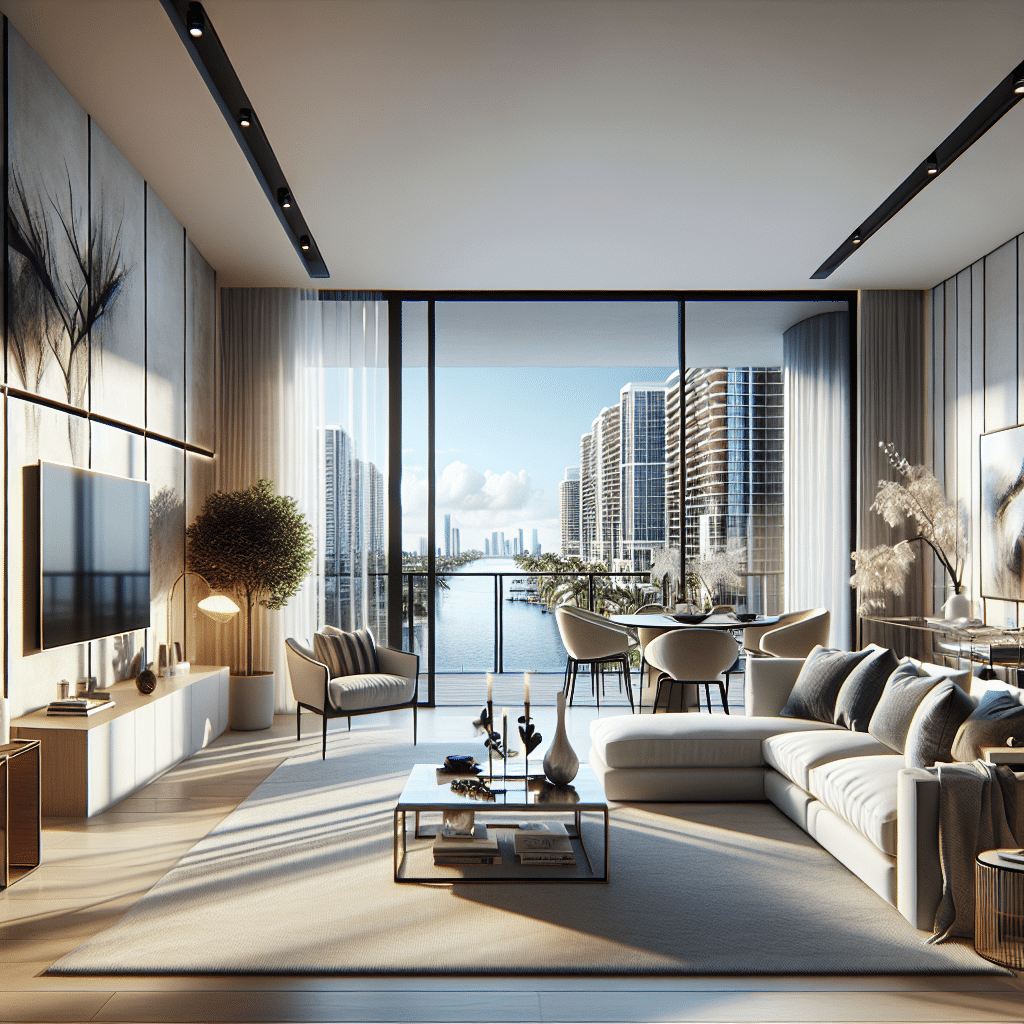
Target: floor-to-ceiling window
{"x":557,"y":450}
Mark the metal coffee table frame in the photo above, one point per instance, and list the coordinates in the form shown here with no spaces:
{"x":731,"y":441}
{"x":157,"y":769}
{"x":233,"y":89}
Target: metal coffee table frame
{"x":424,"y":793}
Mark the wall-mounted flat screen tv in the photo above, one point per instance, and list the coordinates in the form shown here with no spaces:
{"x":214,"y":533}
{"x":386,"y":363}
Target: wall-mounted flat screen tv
{"x":93,"y":554}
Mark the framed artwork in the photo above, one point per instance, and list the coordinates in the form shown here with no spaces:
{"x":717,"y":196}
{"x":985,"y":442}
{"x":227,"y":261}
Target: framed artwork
{"x":1002,"y":514}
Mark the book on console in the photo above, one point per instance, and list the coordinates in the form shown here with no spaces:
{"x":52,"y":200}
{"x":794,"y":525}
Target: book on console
{"x":78,"y":708}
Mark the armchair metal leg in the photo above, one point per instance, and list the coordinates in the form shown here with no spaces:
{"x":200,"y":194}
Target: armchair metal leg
{"x":629,"y":683}
{"x":323,"y":755}
{"x":414,"y":725}
{"x":298,"y":721}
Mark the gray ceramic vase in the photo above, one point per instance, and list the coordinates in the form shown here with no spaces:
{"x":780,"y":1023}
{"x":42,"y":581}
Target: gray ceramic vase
{"x":560,"y":762}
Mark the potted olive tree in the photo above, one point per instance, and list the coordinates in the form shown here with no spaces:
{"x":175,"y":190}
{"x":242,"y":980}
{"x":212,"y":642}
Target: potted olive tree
{"x":258,"y":546}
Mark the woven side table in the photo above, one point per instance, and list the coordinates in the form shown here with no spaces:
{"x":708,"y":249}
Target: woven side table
{"x":999,"y":910}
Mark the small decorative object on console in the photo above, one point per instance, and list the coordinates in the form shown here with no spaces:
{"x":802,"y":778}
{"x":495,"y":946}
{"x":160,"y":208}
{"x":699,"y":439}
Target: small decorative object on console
{"x":146,"y":681}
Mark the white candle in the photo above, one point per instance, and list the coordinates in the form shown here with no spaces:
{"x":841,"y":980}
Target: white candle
{"x":490,"y":687}
{"x":526,"y":687}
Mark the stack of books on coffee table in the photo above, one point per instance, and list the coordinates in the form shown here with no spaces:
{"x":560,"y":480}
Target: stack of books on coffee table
{"x":479,"y":848}
{"x":544,"y":844}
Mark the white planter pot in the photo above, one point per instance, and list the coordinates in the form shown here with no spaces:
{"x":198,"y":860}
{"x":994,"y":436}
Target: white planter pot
{"x":957,"y":606}
{"x":251,"y":702}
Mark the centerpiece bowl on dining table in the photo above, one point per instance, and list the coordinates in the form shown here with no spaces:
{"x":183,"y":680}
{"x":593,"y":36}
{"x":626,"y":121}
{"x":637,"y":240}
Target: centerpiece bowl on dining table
{"x":690,"y":619}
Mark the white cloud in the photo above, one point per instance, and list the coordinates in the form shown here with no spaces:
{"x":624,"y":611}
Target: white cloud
{"x":462,"y":489}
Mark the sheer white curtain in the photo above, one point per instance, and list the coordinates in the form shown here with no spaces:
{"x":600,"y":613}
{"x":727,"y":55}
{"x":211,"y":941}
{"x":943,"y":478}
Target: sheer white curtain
{"x":296,"y":363}
{"x":271,"y":418}
{"x":355,"y":356}
{"x":818,"y":488}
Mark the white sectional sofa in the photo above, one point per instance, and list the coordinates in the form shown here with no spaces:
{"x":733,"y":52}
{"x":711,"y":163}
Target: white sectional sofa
{"x":847,"y":790}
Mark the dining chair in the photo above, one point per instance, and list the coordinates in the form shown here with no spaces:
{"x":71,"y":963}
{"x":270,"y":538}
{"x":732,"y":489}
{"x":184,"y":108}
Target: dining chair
{"x":693,"y":656}
{"x":797,"y":637}
{"x":596,"y":641}
{"x":646,"y":635}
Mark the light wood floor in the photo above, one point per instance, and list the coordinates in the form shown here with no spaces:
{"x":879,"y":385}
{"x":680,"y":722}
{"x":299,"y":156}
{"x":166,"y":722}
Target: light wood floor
{"x":95,"y":869}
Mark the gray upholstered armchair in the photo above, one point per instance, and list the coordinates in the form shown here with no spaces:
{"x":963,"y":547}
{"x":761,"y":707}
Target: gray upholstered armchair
{"x":394,"y":686}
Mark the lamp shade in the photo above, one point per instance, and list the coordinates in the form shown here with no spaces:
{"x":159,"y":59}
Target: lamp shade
{"x":218,"y":607}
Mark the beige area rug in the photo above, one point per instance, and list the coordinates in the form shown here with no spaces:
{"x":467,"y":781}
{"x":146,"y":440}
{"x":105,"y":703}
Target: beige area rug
{"x":298,"y":880}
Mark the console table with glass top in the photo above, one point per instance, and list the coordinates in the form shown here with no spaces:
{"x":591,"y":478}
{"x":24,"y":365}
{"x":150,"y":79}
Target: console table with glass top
{"x":986,"y":645}
{"x":429,"y":791}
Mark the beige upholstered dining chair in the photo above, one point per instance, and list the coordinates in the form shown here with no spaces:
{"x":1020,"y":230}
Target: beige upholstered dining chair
{"x":646,"y":634}
{"x":596,"y":641}
{"x":693,"y":657}
{"x":793,"y":636}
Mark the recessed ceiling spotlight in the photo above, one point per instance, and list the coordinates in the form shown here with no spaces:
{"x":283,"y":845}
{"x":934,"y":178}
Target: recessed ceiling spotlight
{"x":304,"y":243}
{"x":1018,"y":86}
{"x":932,"y":164}
{"x":856,"y":238}
{"x":245,"y":117}
{"x":196,"y":21}
{"x":284,"y":197}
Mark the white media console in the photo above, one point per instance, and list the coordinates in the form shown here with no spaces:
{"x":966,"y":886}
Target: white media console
{"x":88,"y":764}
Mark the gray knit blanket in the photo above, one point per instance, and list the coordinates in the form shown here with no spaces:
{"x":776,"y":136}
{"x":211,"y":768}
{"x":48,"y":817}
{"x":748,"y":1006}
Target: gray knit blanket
{"x":981,"y":807}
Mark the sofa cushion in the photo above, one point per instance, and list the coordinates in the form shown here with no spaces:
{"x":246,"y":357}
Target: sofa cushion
{"x":997,"y":717}
{"x":819,"y":682}
{"x":903,"y":692}
{"x":369,"y":690}
{"x":860,"y":694}
{"x":795,"y":754}
{"x":688,"y":740}
{"x":346,"y":654}
{"x":935,"y":725}
{"x":862,"y":791}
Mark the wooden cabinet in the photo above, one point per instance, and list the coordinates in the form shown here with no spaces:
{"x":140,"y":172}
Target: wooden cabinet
{"x":88,"y":764}
{"x":20,"y":845}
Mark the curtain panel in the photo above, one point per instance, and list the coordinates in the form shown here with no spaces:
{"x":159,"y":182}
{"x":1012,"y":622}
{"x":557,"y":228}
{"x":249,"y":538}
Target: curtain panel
{"x":280,"y":351}
{"x":891,"y":402}
{"x":818,"y":489}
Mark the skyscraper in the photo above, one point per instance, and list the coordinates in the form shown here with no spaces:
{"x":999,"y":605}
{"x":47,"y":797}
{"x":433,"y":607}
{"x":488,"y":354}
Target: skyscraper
{"x":521,"y":548}
{"x":643,"y":462}
{"x":600,"y":487}
{"x":487,"y":548}
{"x":734,"y":472}
{"x":447,"y":534}
{"x":568,"y":513}
{"x":354,"y":540}
{"x":456,"y":544}
{"x":535,"y":548}
{"x":494,"y":545}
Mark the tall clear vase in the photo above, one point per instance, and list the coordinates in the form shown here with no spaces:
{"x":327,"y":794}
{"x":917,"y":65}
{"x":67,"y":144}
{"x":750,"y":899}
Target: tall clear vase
{"x":560,"y":762}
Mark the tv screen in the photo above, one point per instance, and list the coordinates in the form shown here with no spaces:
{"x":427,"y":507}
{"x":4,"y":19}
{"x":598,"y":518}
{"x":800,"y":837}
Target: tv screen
{"x":94,"y":555}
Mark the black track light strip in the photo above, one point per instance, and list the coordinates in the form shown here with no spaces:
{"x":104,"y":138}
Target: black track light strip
{"x":997,"y":103}
{"x":209,"y":57}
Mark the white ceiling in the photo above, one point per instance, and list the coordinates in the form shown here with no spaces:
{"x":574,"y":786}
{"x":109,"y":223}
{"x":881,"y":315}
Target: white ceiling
{"x":565,"y":144}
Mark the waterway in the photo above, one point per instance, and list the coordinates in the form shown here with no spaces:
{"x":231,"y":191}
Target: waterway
{"x":465,"y":626}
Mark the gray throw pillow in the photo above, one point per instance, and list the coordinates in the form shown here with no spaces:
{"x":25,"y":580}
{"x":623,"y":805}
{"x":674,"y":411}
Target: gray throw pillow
{"x":863,"y":688}
{"x":935,"y":724}
{"x":817,"y":686}
{"x":346,"y":654}
{"x":903,"y":692}
{"x":997,"y":717}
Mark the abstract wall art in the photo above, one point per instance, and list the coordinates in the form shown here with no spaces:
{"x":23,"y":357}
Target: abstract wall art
{"x":1002,"y":514}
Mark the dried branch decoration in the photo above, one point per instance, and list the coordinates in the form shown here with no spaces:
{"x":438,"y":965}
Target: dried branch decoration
{"x":939,"y":522}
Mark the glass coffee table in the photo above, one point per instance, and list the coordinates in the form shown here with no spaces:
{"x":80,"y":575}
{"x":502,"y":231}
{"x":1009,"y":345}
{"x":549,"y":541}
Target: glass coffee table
{"x":516,"y":801}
